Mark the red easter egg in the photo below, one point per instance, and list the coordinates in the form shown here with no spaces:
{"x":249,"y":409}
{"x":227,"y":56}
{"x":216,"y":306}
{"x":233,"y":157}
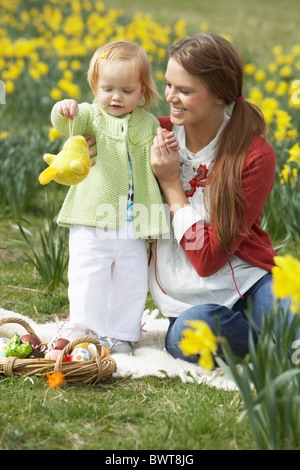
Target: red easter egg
{"x":61,"y":343}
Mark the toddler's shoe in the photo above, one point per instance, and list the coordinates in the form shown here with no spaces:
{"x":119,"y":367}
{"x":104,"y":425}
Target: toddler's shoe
{"x":119,"y":346}
{"x":103,"y":340}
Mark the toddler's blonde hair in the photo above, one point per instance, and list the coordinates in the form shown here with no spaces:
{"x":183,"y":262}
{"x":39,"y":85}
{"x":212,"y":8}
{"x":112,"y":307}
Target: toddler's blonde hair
{"x":123,"y":51}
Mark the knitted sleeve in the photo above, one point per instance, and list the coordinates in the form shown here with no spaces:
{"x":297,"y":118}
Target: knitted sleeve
{"x":82,"y":124}
{"x":199,"y":241}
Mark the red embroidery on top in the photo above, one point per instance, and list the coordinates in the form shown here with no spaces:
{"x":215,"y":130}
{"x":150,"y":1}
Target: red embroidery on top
{"x":198,"y":180}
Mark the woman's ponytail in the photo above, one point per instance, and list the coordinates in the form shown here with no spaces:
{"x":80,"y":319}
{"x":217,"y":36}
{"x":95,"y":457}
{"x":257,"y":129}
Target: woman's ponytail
{"x":226,"y":197}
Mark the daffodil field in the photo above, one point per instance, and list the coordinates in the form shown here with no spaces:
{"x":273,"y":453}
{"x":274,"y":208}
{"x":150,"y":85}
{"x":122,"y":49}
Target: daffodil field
{"x":45,"y":50}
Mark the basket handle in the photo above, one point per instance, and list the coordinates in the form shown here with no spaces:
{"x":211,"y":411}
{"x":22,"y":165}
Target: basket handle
{"x":21,"y":322}
{"x":70,"y":346}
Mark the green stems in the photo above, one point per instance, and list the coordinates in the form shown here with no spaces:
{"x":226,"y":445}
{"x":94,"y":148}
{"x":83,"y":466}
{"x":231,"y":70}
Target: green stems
{"x":268,"y":379}
{"x":49,"y":252}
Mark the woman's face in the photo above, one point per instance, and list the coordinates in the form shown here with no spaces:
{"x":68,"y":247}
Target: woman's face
{"x":190,"y":102}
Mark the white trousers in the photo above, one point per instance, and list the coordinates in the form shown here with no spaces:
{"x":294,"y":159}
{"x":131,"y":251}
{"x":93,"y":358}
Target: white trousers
{"x":108,"y":281}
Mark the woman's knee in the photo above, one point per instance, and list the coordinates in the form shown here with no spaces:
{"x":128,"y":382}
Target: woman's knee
{"x":222,"y":320}
{"x":206,"y":313}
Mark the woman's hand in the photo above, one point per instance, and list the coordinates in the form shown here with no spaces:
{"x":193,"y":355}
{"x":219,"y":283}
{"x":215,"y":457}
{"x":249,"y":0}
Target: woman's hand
{"x":165,"y":161}
{"x":68,"y":108}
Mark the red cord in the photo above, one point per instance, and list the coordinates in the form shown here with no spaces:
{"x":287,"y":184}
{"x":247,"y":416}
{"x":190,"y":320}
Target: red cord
{"x":155,"y":258}
{"x":234,"y":281}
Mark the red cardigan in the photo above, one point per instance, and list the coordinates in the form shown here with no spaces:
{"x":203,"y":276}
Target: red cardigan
{"x":256,"y":247}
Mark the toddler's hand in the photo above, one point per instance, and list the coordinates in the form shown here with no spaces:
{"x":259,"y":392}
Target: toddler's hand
{"x":170,"y":140}
{"x":68,"y":108}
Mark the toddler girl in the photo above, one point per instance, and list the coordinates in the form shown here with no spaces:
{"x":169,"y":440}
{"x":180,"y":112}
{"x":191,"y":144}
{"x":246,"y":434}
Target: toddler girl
{"x":118,"y":206}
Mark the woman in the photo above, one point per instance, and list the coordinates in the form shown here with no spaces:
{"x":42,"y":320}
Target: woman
{"x":216,"y":186}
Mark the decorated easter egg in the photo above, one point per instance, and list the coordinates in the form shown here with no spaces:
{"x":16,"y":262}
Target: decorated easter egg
{"x":3,"y":343}
{"x":82,"y":345}
{"x":92,"y":350}
{"x":33,"y":340}
{"x":37,"y":347}
{"x":3,"y":346}
{"x":80,"y":354}
{"x":61,"y":343}
{"x":53,"y":354}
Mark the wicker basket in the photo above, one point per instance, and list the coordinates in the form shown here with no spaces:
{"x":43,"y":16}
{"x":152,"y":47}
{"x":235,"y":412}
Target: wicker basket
{"x":95,"y":370}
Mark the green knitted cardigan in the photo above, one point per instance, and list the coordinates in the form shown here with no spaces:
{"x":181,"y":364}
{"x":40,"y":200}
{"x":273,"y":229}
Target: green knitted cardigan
{"x":101,"y":199}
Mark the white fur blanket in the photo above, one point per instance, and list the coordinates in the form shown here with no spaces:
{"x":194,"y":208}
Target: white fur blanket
{"x":150,"y":357}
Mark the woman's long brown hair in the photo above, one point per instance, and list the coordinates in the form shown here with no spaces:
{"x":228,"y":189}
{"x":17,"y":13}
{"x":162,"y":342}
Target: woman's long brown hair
{"x":217,"y":64}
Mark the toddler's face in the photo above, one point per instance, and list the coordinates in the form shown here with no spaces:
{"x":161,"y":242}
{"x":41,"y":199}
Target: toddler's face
{"x":119,"y":88}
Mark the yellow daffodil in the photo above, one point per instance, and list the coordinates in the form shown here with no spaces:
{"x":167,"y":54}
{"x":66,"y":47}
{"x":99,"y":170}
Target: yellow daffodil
{"x":3,"y":134}
{"x":269,"y":106}
{"x":286,"y":71}
{"x":283,"y":119}
{"x":180,"y":28}
{"x":280,"y":135}
{"x":53,"y":134}
{"x":255,"y":96}
{"x":160,"y":76}
{"x":68,"y":75}
{"x":71,"y":88}
{"x":226,"y":36}
{"x":296,"y":50}
{"x":62,"y":64}
{"x":100,"y":6}
{"x":56,"y":94}
{"x":249,"y":69}
{"x":288,"y":174}
{"x":270,"y":85}
{"x":289,"y":59}
{"x":260,"y":76}
{"x":286,"y":275}
{"x":292,"y":133}
{"x":281,"y":89}
{"x":294,"y":154}
{"x":35,"y":73}
{"x":204,"y":26}
{"x":75,"y":64}
{"x":277,"y":50}
{"x":199,"y":339}
{"x":272,"y":67}
{"x":9,"y":86}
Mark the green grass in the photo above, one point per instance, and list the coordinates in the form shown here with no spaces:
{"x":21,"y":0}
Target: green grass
{"x":147,"y":414}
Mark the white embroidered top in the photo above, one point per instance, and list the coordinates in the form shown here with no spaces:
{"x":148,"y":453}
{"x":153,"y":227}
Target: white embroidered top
{"x":174,"y":283}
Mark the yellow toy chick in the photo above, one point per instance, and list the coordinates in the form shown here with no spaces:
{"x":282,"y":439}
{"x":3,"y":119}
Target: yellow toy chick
{"x":70,"y":166}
